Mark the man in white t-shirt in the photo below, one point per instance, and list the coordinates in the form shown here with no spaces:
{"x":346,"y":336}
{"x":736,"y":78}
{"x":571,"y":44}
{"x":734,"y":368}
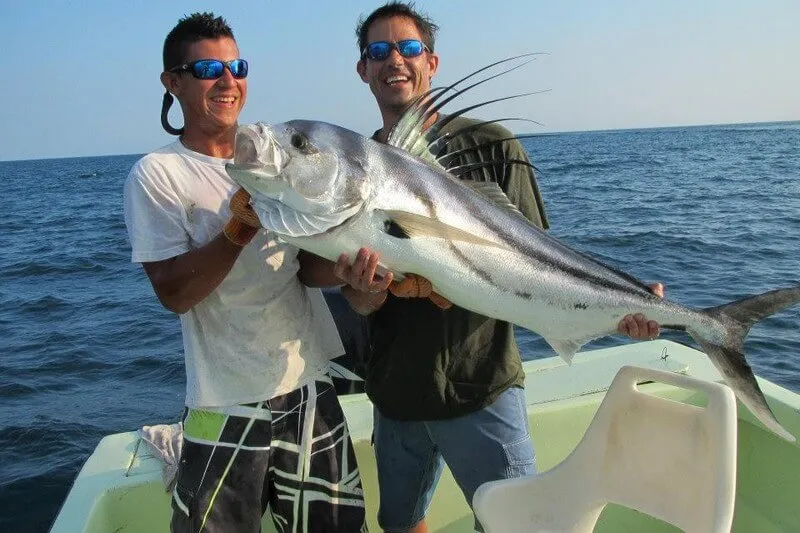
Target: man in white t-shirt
{"x":263,"y":425}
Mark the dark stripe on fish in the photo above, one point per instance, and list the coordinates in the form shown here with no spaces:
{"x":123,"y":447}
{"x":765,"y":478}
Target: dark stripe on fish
{"x":425,"y":199}
{"x":483,"y":274}
{"x":560,"y":262}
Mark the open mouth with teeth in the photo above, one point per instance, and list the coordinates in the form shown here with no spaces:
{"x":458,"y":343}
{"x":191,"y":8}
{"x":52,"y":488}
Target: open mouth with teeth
{"x":224,"y":100}
{"x":394,"y":80}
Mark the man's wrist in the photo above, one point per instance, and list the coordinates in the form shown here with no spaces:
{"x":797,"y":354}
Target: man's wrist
{"x":241,"y":208}
{"x":364,"y":303}
{"x":239,"y":233}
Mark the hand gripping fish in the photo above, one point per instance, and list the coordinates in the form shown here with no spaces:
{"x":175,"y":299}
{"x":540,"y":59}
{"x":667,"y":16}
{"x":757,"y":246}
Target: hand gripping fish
{"x":329,"y":190}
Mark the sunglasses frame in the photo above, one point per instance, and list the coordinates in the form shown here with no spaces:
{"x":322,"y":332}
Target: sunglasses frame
{"x":365,"y":53}
{"x":189,"y":67}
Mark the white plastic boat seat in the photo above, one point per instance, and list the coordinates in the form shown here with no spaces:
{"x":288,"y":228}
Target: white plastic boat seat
{"x":673,"y":461}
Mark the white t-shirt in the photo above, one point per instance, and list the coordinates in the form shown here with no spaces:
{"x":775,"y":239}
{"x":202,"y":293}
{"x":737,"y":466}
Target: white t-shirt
{"x":260,"y":333}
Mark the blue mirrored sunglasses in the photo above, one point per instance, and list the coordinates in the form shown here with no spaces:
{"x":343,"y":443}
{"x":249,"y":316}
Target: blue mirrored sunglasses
{"x":212,"y":69}
{"x":380,"y":50}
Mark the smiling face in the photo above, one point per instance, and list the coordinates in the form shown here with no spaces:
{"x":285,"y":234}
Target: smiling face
{"x":396,"y":81}
{"x":210,"y":107}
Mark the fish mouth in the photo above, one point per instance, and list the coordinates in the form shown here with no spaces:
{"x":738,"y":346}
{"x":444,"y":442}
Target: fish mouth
{"x":257,"y":149}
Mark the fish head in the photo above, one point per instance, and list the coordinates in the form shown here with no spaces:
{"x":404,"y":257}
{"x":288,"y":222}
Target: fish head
{"x":306,"y":169}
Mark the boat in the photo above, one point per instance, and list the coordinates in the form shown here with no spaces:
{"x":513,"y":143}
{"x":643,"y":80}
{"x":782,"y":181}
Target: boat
{"x":120,"y":487}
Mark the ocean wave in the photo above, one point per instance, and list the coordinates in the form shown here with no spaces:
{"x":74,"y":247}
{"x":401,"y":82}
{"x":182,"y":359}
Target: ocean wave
{"x":16,"y":390}
{"x":40,"y":304}
{"x":568,"y":168}
{"x":91,"y":174}
{"x":67,"y":265}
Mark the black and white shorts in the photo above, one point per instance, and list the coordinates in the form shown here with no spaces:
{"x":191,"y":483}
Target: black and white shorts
{"x":292,"y":454}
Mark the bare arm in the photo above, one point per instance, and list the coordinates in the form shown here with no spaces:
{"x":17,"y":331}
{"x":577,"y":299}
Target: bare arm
{"x":183,"y":281}
{"x":316,"y":271}
{"x":361,"y":287}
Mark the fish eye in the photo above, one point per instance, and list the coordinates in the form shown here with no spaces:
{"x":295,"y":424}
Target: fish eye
{"x":299,"y":141}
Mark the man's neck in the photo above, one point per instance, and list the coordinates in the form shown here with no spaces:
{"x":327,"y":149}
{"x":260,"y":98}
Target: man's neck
{"x":390,"y":120}
{"x":219,"y":144}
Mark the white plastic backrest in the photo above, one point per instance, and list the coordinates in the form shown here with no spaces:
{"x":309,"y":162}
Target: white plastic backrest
{"x":671,"y":460}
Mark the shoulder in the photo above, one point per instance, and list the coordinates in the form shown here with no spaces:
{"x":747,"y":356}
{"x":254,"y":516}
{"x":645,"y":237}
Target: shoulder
{"x":156,"y":167}
{"x":486,"y":132}
{"x":477,"y":131}
{"x":157,"y":159}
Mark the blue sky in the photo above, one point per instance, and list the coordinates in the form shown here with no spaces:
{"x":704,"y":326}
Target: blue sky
{"x":83,"y":76}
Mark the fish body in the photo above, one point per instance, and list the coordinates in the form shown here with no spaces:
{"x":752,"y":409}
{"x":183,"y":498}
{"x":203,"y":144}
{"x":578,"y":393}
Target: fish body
{"x":330,"y":191}
{"x":509,"y":261}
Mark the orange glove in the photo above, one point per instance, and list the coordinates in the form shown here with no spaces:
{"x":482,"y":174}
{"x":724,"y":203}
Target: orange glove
{"x":244,"y":223}
{"x":413,"y":286}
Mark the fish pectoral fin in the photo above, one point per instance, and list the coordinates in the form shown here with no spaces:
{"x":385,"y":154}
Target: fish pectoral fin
{"x":405,"y":225}
{"x":566,"y":348}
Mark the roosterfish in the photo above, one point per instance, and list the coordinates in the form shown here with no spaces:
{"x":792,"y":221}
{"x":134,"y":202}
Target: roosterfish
{"x":329,"y":190}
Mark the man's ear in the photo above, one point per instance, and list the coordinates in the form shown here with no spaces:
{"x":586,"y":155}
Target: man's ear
{"x":361,"y":68}
{"x":433,"y":63}
{"x":170,"y":82}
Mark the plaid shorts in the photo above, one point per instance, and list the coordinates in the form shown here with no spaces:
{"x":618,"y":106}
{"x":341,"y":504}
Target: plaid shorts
{"x":292,"y":454}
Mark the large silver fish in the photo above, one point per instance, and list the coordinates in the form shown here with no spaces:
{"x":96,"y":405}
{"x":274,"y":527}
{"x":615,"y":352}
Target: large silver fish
{"x":329,"y":190}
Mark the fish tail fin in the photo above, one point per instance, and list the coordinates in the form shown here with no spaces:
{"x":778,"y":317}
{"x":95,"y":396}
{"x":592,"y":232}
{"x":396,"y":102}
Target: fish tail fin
{"x":737,"y":318}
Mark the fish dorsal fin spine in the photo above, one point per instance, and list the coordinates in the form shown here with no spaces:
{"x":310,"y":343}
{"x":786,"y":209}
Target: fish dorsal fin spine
{"x":406,"y":225}
{"x":409,"y":134}
{"x":491,"y":191}
{"x":440,"y":140}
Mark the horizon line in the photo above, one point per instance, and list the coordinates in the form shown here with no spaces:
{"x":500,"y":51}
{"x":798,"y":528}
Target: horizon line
{"x":530,"y":134}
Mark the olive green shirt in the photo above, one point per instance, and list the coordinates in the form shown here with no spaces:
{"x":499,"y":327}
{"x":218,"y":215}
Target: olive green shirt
{"x":429,"y":364}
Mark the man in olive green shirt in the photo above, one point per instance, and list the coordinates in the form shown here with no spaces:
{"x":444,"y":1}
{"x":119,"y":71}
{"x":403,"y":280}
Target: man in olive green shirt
{"x":446,"y":383}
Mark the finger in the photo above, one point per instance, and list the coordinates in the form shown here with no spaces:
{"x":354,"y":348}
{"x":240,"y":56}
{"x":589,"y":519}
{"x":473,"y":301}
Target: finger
{"x":622,"y":327}
{"x":383,"y":283}
{"x":633,"y":327}
{"x":389,"y":279}
{"x":370,"y":277}
{"x":653,"y":329}
{"x":357,"y":278}
{"x":369,"y":270}
{"x":642,"y":326}
{"x":341,"y":269}
{"x":373,"y":280}
{"x":657,"y":289}
{"x":362,"y":258}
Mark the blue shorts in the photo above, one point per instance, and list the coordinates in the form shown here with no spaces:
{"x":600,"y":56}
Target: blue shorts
{"x":490,"y":444}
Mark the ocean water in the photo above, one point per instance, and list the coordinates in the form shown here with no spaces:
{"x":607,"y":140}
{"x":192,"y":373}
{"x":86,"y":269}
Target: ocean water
{"x":86,"y":350}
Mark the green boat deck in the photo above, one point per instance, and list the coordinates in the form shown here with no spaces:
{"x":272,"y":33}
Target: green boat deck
{"x":120,"y":487}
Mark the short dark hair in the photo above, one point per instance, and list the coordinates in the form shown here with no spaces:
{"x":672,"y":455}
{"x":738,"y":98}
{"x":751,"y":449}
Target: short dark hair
{"x":189,"y":30}
{"x":427,"y":28}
